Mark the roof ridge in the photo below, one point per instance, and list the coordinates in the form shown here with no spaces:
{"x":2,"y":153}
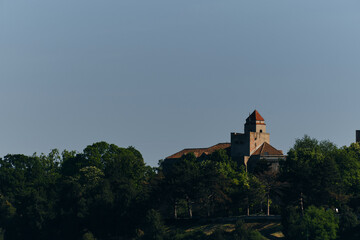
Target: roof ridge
{"x":255,"y":115}
{"x":193,"y":148}
{"x":205,"y":147}
{"x":266,"y":148}
{"x":221,"y":143}
{"x":257,"y":148}
{"x":262,"y":147}
{"x":200,"y":151}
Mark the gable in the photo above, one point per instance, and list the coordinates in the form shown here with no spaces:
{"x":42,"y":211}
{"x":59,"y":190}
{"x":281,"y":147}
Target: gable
{"x":266,"y":149}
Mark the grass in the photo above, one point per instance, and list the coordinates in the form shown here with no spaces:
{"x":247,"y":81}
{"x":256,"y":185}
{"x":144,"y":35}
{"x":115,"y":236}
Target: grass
{"x":270,"y":230}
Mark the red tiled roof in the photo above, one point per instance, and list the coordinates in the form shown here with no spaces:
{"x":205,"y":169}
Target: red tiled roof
{"x":200,"y":151}
{"x":266,"y":149}
{"x":255,"y":116}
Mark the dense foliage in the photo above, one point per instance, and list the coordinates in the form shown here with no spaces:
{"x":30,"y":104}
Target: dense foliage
{"x":108,"y":192}
{"x":101,"y":192}
{"x":323,"y":180}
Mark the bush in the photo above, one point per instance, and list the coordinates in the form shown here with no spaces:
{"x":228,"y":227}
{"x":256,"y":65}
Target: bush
{"x":243,"y":233}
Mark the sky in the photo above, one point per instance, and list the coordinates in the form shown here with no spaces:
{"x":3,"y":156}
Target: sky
{"x":164,"y":75}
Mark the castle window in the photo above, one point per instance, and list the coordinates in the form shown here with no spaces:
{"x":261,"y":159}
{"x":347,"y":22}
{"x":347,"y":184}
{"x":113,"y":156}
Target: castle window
{"x":261,"y":130}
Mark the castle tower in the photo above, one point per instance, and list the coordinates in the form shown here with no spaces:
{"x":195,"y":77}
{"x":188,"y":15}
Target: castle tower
{"x":255,"y":123}
{"x":244,"y":144}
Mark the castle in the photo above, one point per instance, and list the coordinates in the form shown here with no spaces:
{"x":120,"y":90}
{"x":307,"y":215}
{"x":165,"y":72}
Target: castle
{"x":247,"y":148}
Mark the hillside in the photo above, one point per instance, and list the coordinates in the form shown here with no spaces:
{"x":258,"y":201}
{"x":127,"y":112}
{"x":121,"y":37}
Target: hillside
{"x":269,"y":227}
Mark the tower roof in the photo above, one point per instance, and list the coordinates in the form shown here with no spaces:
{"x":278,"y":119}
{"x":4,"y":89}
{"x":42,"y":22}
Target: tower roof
{"x":255,"y":116}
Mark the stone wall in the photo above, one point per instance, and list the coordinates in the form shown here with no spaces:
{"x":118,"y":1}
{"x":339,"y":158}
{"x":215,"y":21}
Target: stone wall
{"x":243,"y":144}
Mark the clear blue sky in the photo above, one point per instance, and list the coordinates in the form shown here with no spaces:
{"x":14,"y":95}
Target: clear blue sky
{"x":167,"y":75}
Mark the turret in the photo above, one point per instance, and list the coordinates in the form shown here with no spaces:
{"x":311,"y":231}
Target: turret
{"x":255,"y":123}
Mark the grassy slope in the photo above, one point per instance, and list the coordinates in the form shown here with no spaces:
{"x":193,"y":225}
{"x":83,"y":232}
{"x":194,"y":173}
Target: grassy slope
{"x":270,"y":230}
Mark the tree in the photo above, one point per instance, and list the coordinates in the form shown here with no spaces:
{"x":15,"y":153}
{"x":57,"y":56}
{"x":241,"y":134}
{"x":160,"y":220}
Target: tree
{"x":272,"y":186}
{"x":348,"y":224}
{"x":154,"y":228}
{"x":247,"y":192}
{"x":213,"y":186}
{"x":316,"y":224}
{"x":182,"y":181}
{"x":7,"y":213}
{"x":312,"y":173}
{"x":103,"y":191}
{"x":195,"y":181}
{"x":29,"y":183}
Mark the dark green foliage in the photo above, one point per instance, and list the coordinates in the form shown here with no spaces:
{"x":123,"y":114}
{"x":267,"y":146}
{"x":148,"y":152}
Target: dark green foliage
{"x":107,"y":192}
{"x":316,"y":224}
{"x":154,"y":228}
{"x":314,"y":173}
{"x":218,"y":235}
{"x":88,"y":236}
{"x":100,"y":193}
{"x":243,"y":233}
{"x":104,"y":192}
{"x":193,"y":235}
{"x":320,"y":174}
{"x":30,"y":185}
{"x":349,"y":224}
{"x":197,"y":183}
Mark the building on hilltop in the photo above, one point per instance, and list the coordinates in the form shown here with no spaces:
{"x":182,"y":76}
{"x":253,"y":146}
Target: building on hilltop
{"x":248,"y":148}
{"x":254,"y":144}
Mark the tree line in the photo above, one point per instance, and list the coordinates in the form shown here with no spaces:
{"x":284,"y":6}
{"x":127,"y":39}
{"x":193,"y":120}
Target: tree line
{"x":107,"y":192}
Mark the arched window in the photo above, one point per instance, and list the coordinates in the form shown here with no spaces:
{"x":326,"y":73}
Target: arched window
{"x":261,"y":130}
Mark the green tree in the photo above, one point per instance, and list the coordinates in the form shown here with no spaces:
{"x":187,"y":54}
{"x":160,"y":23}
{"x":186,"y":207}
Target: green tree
{"x":104,"y":190}
{"x":348,"y":224}
{"x":316,"y":224}
{"x":312,"y":173}
{"x":154,"y":227}
{"x":29,"y":183}
{"x":192,"y":180}
{"x":272,"y":186}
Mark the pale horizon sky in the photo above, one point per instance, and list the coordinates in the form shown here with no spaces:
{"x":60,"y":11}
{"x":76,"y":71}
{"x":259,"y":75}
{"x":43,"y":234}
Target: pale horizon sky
{"x":164,"y":75}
